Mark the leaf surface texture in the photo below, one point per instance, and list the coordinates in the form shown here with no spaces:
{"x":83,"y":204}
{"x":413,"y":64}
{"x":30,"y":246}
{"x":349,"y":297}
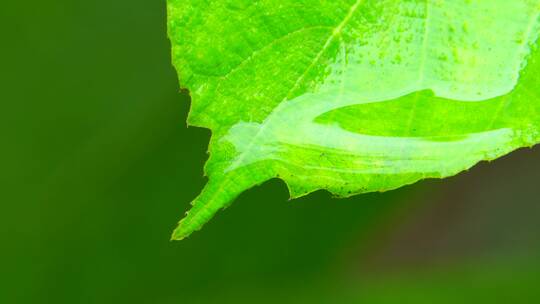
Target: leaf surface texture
{"x":353,"y":96}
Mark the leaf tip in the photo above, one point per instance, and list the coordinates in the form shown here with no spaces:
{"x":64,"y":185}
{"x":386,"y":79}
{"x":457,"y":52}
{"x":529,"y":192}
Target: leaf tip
{"x":180,"y":233}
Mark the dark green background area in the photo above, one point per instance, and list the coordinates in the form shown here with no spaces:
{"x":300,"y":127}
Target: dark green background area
{"x":97,"y":166}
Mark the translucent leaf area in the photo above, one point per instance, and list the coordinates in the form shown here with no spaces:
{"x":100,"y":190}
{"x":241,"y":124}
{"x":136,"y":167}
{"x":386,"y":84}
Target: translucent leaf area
{"x":353,"y":96}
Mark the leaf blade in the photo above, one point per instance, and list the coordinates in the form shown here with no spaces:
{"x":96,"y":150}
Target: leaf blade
{"x":299,"y":112}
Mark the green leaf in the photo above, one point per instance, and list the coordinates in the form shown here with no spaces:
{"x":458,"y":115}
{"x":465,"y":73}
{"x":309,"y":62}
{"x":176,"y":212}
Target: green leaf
{"x":353,"y":96}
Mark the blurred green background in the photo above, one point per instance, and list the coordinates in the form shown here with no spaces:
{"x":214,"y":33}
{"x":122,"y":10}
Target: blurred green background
{"x":98,"y":166}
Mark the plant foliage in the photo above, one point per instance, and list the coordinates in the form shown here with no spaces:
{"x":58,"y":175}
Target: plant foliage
{"x":353,"y":96}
